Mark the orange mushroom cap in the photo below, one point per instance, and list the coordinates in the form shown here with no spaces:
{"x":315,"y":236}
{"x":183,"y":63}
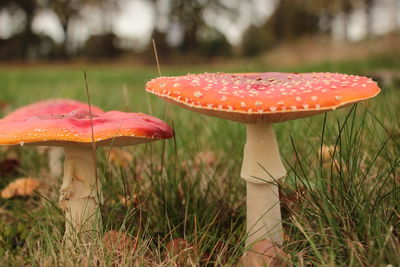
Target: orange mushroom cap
{"x":109,"y":128}
{"x":263,"y":97}
{"x":51,"y":106}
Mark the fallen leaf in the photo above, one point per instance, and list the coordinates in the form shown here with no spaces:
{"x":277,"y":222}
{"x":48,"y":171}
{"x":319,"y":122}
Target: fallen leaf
{"x":119,"y":242}
{"x":182,"y":253}
{"x":22,"y":187}
{"x":262,"y":254}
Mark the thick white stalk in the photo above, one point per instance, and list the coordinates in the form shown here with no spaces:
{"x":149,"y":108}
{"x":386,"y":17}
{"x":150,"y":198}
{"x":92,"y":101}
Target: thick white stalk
{"x":262,"y":167}
{"x":79,"y":192}
{"x":55,"y":155}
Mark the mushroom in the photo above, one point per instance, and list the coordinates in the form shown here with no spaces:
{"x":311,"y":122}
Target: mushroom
{"x":51,"y":106}
{"x":258,"y":100}
{"x":76,"y":132}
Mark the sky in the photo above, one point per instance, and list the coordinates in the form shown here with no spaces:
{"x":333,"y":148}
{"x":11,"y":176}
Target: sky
{"x":134,"y":20}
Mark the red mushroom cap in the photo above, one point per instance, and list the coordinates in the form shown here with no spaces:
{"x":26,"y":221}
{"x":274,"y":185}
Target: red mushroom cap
{"x":263,"y":97}
{"x":109,"y":128}
{"x":52,"y":106}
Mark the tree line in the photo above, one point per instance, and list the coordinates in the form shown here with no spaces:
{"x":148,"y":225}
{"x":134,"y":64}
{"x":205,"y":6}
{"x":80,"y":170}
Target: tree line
{"x":290,"y":19}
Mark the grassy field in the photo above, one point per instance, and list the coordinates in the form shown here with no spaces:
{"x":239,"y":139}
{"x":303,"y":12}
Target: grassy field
{"x":343,"y":210}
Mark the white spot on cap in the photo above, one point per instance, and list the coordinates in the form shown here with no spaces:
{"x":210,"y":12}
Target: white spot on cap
{"x":242,"y":104}
{"x":298,"y":99}
{"x":176,"y":85}
{"x":198,"y":94}
{"x":258,"y":103}
{"x":314,"y":98}
{"x":305,"y":106}
{"x":224,"y":98}
{"x":293,"y":107}
{"x":338,"y":97}
{"x":272,"y":108}
{"x":280,"y":103}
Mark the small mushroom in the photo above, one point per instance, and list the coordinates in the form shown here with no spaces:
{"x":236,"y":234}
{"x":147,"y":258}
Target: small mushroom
{"x":51,"y":106}
{"x":76,"y":132}
{"x":258,"y":100}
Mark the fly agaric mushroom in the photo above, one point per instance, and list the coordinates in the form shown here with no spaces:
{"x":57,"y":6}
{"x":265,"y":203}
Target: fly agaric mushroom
{"x":51,"y":106}
{"x":73,"y":131}
{"x":258,"y":100}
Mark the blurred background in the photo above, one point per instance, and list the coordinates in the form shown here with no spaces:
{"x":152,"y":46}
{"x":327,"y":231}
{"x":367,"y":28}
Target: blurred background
{"x":190,"y":31}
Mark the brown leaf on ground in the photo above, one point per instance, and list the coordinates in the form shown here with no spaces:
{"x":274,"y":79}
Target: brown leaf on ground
{"x":119,"y":243}
{"x":22,"y":187}
{"x":263,"y":254}
{"x":182,"y":253}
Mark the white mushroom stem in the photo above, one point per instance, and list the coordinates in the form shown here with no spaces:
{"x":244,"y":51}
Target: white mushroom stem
{"x":55,"y":155}
{"x":262,"y":167}
{"x":79,"y":192}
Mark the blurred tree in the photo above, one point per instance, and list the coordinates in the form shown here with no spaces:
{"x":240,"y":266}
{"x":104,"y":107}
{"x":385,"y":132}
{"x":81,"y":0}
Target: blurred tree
{"x":101,"y":46}
{"x":212,"y":43}
{"x":187,"y":16}
{"x":290,"y":20}
{"x":368,"y":11}
{"x":332,"y":8}
{"x":67,"y":10}
{"x":29,"y":8}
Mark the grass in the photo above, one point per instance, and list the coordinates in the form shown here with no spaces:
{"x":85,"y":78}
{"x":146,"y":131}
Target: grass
{"x":343,"y":210}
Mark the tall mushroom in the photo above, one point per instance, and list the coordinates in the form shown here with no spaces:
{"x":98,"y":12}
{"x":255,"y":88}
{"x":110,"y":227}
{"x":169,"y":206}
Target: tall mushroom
{"x":51,"y":106}
{"x":258,"y":100}
{"x":73,"y":131}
